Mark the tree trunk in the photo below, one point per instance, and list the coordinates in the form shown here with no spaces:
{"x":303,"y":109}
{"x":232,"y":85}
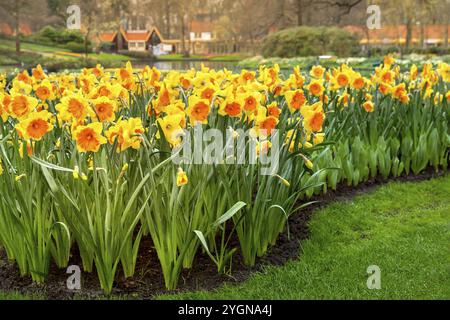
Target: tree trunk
{"x":422,"y":35}
{"x":86,"y":43}
{"x":252,"y":43}
{"x":119,"y":32}
{"x":167,"y":14}
{"x":299,"y":12}
{"x":280,"y":18}
{"x":183,"y":36}
{"x":447,"y":23}
{"x":408,"y":32}
{"x":191,"y":45}
{"x":17,"y":26}
{"x":368,"y":46}
{"x":446,"y":35}
{"x":182,"y":19}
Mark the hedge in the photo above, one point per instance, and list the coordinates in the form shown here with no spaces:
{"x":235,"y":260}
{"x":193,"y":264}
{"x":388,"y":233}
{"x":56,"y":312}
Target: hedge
{"x":310,"y":41}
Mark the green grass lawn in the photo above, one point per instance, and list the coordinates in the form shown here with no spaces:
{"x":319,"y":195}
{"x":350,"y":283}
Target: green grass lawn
{"x":62,"y":58}
{"x":11,"y":44}
{"x":224,"y":58}
{"x":179,"y":57}
{"x":404,"y":228}
{"x":109,"y":57}
{"x":228,"y":58}
{"x":53,"y":54}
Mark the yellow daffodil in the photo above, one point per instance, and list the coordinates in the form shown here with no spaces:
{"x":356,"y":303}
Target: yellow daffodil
{"x":35,"y":126}
{"x":89,"y":138}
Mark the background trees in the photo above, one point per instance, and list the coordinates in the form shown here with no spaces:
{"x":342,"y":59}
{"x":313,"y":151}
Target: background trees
{"x":233,"y":20}
{"x":17,"y":11}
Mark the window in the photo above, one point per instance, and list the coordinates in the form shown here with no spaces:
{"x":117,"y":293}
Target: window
{"x":206,"y":35}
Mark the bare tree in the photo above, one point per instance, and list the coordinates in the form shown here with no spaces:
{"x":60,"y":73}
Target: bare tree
{"x":446,"y":10}
{"x":22,"y":10}
{"x":89,"y":9}
{"x":410,"y":13}
{"x":117,"y":9}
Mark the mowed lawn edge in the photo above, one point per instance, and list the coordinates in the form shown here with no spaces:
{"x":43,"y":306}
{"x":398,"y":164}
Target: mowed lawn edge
{"x":403,"y":228}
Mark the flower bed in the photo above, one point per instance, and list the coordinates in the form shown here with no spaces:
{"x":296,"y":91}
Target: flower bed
{"x":101,"y":159}
{"x":359,"y":63}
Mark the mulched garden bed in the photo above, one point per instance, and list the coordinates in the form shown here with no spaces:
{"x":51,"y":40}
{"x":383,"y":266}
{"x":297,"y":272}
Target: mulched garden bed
{"x":148,"y":280}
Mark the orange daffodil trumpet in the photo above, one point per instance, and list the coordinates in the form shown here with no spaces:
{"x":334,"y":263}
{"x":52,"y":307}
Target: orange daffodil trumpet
{"x":35,"y":126}
{"x":105,"y":109}
{"x":73,"y":107}
{"x":44,"y":90}
{"x":314,"y":117}
{"x":127,"y":134}
{"x":295,"y":100}
{"x":198,"y":110}
{"x":316,"y":88}
{"x":232,"y":106}
{"x":89,"y":138}
{"x":182,"y":178}
{"x":21,"y":105}
{"x":317,"y":72}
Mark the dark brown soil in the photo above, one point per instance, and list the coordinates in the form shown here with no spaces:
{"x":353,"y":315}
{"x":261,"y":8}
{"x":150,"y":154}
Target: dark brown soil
{"x":148,"y":280}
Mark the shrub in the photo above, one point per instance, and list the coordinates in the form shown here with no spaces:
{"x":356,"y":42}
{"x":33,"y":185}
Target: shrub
{"x":106,"y":46}
{"x":78,"y":47}
{"x":310,"y":41}
{"x":60,"y":36}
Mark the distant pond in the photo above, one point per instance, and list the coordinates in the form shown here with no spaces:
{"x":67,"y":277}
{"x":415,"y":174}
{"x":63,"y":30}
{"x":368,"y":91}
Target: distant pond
{"x":187,"y":64}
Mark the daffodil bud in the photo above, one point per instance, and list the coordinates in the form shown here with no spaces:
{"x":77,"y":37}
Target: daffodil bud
{"x":182,"y":178}
{"x":20,"y":177}
{"x":309,"y":164}
{"x":283,"y":180}
{"x":75,"y":173}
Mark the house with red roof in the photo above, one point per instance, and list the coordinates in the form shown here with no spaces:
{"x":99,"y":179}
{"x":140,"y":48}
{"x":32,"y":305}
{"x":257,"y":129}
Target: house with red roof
{"x":201,"y":36}
{"x":140,"y":41}
{"x":432,"y":35}
{"x":131,"y":40}
{"x":136,"y":40}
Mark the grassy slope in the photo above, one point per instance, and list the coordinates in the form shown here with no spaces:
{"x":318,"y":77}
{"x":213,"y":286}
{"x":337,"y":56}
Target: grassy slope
{"x":50,"y":51}
{"x":222,"y":58}
{"x":10,"y":44}
{"x":61,"y":55}
{"x":404,"y":228}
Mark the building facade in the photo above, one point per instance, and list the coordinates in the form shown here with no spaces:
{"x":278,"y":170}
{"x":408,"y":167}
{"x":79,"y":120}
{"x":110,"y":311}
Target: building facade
{"x":138,"y":41}
{"x":421,"y":35}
